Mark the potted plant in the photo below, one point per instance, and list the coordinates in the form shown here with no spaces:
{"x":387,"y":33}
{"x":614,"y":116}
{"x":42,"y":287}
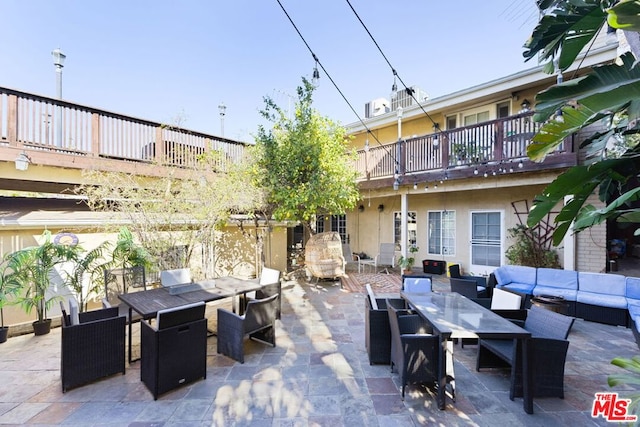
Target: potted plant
{"x":31,"y":269}
{"x":86,"y":265}
{"x":406,"y":263}
{"x":8,"y":289}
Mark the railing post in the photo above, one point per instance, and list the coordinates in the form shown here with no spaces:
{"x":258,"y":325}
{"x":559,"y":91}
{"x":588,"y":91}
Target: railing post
{"x":499,"y":139}
{"x":12,"y":121}
{"x":95,"y":135}
{"x":160,"y":147}
{"x":444,"y":151}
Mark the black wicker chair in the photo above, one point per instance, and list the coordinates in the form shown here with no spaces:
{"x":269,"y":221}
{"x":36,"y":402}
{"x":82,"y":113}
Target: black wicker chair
{"x":93,"y":348}
{"x":271,"y":285}
{"x":121,"y":281}
{"x":414,"y":350}
{"x":174,"y":350}
{"x":376,"y":323}
{"x":547,"y":352}
{"x":258,"y":322}
{"x":467,"y":287}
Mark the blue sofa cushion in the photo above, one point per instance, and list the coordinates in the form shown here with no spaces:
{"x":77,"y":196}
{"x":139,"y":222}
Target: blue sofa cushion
{"x":516,"y":277}
{"x":633,"y":295}
{"x":556,"y":282}
{"x":606,"y":290}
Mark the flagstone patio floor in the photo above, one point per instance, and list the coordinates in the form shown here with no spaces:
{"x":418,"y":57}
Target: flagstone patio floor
{"x":317,"y":375}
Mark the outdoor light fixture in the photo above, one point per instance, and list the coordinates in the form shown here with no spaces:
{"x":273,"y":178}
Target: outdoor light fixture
{"x":520,"y":164}
{"x":436,"y":143}
{"x":426,"y":187}
{"x":22,"y":161}
{"x":316,"y":74}
{"x":485,"y":175}
{"x":380,"y":208}
{"x":394,"y":87}
{"x":475,"y":171}
{"x":222,"y":109}
{"x":525,"y":106}
{"x":415,"y":185}
{"x":396,"y":184}
{"x":361,"y":208}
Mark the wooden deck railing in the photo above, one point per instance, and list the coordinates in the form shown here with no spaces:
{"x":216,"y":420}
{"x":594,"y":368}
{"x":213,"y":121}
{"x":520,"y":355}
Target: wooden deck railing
{"x":42,"y":123}
{"x":494,"y":142}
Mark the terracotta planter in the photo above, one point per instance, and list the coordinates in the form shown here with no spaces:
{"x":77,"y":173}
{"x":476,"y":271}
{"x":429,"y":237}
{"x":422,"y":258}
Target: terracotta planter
{"x":42,"y":328}
{"x":4,"y":333}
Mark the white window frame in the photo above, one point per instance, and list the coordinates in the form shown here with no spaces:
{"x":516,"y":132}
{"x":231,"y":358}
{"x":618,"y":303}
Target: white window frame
{"x":412,"y":229}
{"x":447,"y":233}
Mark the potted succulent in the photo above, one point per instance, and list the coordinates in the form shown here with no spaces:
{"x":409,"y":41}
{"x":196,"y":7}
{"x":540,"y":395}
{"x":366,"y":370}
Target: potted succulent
{"x":406,"y":263}
{"x":31,"y":268}
{"x":8,"y":289}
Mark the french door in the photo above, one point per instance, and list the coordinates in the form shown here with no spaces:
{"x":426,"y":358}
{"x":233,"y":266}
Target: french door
{"x":486,"y":241}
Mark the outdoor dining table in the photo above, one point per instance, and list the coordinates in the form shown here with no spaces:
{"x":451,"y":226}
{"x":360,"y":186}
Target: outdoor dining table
{"x":454,"y":316}
{"x":148,"y":303}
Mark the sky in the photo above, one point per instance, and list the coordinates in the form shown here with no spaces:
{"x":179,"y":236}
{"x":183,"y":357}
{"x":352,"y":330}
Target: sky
{"x":175,"y":61}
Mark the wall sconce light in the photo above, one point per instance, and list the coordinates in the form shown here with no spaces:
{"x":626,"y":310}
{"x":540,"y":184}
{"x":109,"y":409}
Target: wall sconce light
{"x":361,"y":208}
{"x":22,"y":161}
{"x":380,"y":208}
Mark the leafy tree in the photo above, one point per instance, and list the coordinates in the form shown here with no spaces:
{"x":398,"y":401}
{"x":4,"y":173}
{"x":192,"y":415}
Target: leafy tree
{"x":170,"y":216}
{"x":303,"y":163}
{"x":609,"y":94}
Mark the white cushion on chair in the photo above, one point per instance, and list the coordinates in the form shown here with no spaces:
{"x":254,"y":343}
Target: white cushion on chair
{"x":175,"y":277}
{"x":74,"y":315}
{"x":505,"y":300}
{"x":372,"y":297}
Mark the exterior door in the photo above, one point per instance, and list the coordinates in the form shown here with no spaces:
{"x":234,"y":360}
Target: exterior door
{"x":486,"y":241}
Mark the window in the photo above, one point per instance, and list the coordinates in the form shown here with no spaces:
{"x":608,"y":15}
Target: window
{"x":502,"y":110}
{"x":339,"y":224}
{"x":451,"y":122}
{"x":320,"y":224}
{"x":441,"y":229}
{"x":412,"y":229}
{"x":476,"y":118}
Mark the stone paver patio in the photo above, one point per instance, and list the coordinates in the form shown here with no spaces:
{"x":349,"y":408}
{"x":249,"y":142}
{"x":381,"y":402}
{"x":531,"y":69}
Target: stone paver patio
{"x":318,"y":375}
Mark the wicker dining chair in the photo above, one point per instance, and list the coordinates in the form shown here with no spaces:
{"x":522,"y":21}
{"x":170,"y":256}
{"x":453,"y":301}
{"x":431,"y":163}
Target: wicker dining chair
{"x":258,"y":322}
{"x":92,"y":348}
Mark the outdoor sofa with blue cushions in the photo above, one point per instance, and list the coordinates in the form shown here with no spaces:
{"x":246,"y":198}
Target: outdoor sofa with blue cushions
{"x":559,"y":283}
{"x":602,"y":298}
{"x":517,"y":278}
{"x":633,"y":306}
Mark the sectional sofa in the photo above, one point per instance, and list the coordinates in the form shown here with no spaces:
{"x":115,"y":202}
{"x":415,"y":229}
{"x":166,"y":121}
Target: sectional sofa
{"x":606,"y":298}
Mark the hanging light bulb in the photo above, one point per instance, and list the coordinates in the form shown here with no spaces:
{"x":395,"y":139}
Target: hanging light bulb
{"x":520,"y":164}
{"x":485,"y":175}
{"x":415,"y":185}
{"x":435,"y":187}
{"x":316,"y":74}
{"x":426,"y":187}
{"x":475,"y":171}
{"x":394,"y":87}
{"x":559,"y":117}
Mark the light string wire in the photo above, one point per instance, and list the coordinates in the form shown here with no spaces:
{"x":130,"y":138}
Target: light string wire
{"x":408,"y":90}
{"x":315,"y":58}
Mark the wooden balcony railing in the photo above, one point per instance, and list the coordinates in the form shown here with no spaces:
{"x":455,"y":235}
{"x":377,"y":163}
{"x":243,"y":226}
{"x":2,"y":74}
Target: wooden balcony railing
{"x":40,"y":123}
{"x":495,"y":142}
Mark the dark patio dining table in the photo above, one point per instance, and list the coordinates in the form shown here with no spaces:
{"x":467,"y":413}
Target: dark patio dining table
{"x":454,"y":316}
{"x":148,"y":303}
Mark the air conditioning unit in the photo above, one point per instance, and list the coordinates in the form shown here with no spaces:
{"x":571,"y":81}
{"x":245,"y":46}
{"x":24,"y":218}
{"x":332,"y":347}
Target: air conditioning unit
{"x":376,"y":107}
{"x":403,"y":97}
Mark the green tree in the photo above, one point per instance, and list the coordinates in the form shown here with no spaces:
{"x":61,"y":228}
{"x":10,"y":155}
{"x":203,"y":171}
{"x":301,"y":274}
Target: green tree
{"x":173,"y":215}
{"x":304,"y":163}
{"x":609,"y":94}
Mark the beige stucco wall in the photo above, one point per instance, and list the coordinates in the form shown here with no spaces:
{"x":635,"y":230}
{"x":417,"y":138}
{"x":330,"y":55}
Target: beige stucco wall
{"x":369,"y":228}
{"x":236,"y":254}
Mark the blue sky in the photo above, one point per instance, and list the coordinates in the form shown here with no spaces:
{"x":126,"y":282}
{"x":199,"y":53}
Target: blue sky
{"x":166,"y":60}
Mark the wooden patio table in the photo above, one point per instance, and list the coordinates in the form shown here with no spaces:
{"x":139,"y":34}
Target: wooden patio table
{"x":454,"y":316}
{"x":148,"y":303}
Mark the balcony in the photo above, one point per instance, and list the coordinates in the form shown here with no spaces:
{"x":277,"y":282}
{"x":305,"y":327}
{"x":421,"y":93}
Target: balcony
{"x":56,"y":133}
{"x":497,"y":146}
